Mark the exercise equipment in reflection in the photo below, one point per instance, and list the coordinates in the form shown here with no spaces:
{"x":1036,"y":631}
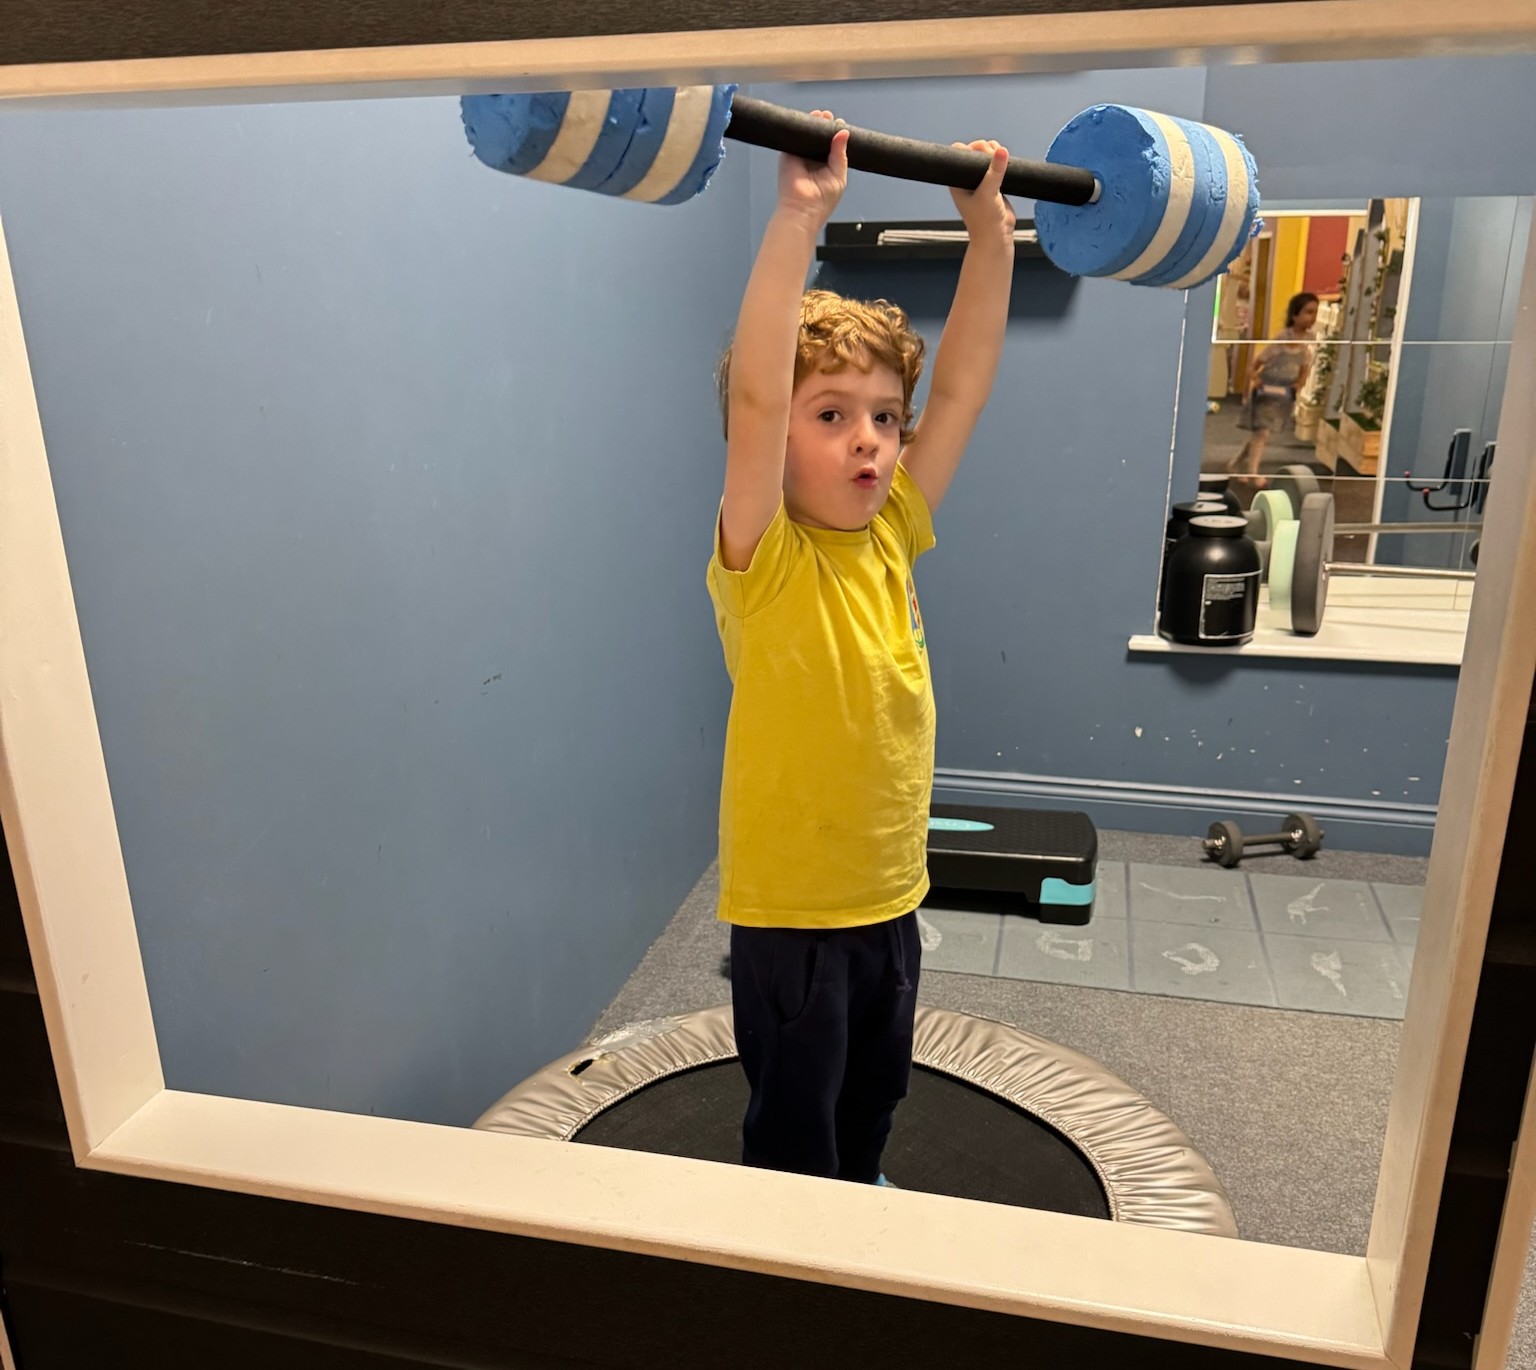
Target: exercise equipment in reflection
{"x":1467,"y":492}
{"x":1293,"y":530}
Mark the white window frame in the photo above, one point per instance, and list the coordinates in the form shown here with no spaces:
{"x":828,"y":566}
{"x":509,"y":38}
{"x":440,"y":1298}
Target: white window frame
{"x":57,"y":809}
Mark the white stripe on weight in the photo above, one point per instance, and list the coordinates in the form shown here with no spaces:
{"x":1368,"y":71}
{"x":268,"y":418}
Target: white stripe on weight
{"x":680,"y":145}
{"x":579,"y":131}
{"x":1181,"y":195}
{"x":1231,"y":217}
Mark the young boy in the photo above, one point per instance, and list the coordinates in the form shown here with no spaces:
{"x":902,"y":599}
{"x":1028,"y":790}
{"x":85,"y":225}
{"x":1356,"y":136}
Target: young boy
{"x":829,"y":749}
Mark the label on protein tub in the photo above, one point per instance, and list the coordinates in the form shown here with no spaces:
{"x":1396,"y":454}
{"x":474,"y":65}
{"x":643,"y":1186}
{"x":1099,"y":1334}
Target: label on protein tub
{"x":1229,"y":605}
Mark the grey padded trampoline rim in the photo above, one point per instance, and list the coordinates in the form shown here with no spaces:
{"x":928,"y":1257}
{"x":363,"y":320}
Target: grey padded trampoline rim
{"x":1150,"y":1171}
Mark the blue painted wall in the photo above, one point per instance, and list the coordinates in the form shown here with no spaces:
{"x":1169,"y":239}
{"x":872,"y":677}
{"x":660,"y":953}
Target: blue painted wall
{"x":1442,"y":126}
{"x":387,"y":484}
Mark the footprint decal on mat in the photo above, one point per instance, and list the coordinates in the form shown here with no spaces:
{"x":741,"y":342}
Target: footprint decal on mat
{"x":1205,"y":960}
{"x":1331,"y":967}
{"x":1390,"y":973}
{"x":1065,"y":948}
{"x":1186,"y":898}
{"x":928,"y":935}
{"x":1300,"y":908}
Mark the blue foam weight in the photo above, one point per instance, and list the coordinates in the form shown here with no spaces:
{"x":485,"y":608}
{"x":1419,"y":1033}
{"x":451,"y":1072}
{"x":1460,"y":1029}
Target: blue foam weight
{"x":658,"y":145}
{"x":1179,"y":201}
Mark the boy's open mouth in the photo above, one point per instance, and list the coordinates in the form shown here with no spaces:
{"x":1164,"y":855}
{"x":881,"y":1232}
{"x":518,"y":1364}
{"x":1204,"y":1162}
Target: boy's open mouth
{"x":867,"y":479}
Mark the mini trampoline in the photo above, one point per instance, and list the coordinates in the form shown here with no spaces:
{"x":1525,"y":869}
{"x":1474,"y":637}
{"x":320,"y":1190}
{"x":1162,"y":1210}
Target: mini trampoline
{"x":993,"y":1114}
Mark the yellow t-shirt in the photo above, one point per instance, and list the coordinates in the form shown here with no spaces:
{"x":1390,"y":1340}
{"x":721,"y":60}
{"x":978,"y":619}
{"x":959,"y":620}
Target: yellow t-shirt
{"x":829,"y":748}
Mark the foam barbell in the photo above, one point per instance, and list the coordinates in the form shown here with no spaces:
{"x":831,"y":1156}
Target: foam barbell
{"x":1122,"y":192}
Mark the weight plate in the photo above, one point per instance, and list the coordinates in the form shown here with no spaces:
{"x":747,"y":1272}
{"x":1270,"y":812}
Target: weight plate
{"x":1311,"y":835}
{"x":1226,"y":840}
{"x":1314,"y":550}
{"x":1297,"y":482}
{"x":1269,"y":509}
{"x":1282,"y":567}
{"x":1270,"y":506}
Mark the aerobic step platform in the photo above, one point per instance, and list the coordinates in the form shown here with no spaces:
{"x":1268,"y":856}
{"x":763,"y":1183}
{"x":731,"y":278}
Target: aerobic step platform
{"x":1039,"y":863}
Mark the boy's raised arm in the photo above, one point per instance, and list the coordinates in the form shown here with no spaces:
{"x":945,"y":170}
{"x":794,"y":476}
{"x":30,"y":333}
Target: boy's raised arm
{"x":762,"y":361}
{"x":972,"y":343}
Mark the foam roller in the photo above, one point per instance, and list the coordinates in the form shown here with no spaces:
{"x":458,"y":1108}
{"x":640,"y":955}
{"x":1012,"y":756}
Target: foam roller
{"x":1122,"y":192}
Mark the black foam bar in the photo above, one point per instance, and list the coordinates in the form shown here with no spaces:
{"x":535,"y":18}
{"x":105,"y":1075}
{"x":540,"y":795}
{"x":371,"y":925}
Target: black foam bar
{"x":785,"y":130}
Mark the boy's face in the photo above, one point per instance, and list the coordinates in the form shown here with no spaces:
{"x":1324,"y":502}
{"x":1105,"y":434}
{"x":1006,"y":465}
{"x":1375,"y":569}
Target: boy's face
{"x":844,"y":438}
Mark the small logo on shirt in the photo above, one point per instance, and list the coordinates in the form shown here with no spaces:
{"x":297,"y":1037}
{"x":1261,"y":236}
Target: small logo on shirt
{"x":917,"y":617}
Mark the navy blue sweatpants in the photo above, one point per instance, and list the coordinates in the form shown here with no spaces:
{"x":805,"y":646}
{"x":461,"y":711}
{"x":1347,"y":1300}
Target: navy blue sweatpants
{"x":824,"y":1028}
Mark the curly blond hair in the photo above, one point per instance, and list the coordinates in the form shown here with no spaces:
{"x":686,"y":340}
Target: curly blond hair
{"x":835,"y":333}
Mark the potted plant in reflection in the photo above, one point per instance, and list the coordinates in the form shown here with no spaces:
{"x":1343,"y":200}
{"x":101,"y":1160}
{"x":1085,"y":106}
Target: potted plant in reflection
{"x":1311,"y":426}
{"x":1360,"y":424}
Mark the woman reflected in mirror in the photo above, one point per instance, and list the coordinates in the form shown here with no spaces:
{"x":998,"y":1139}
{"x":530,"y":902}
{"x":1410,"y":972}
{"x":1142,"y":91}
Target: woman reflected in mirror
{"x":1278,"y":375}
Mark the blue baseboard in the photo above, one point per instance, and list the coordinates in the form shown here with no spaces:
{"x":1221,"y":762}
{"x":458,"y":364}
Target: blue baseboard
{"x":1350,"y":824}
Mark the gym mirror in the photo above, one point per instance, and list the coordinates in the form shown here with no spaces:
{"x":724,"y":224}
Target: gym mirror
{"x":386,"y":487}
{"x":1360,"y":351}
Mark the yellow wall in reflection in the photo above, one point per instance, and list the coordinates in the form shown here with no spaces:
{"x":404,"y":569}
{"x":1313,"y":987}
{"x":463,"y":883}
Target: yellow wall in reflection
{"x":1290,"y":268}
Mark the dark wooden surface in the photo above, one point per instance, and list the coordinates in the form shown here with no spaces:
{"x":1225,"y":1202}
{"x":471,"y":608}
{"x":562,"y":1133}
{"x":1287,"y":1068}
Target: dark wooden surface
{"x":92,"y":30}
{"x":105,"y":1271}
{"x":1492,"y":1094}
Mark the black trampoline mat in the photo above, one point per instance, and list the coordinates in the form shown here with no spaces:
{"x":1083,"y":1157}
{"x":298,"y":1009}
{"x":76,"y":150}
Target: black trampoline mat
{"x":949,"y":1138}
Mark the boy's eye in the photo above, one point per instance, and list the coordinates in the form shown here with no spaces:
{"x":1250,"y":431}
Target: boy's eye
{"x":886,"y":418}
{"x":828,"y":416}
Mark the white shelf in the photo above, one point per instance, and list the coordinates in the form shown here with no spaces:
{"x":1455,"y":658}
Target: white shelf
{"x":1413,"y":622}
